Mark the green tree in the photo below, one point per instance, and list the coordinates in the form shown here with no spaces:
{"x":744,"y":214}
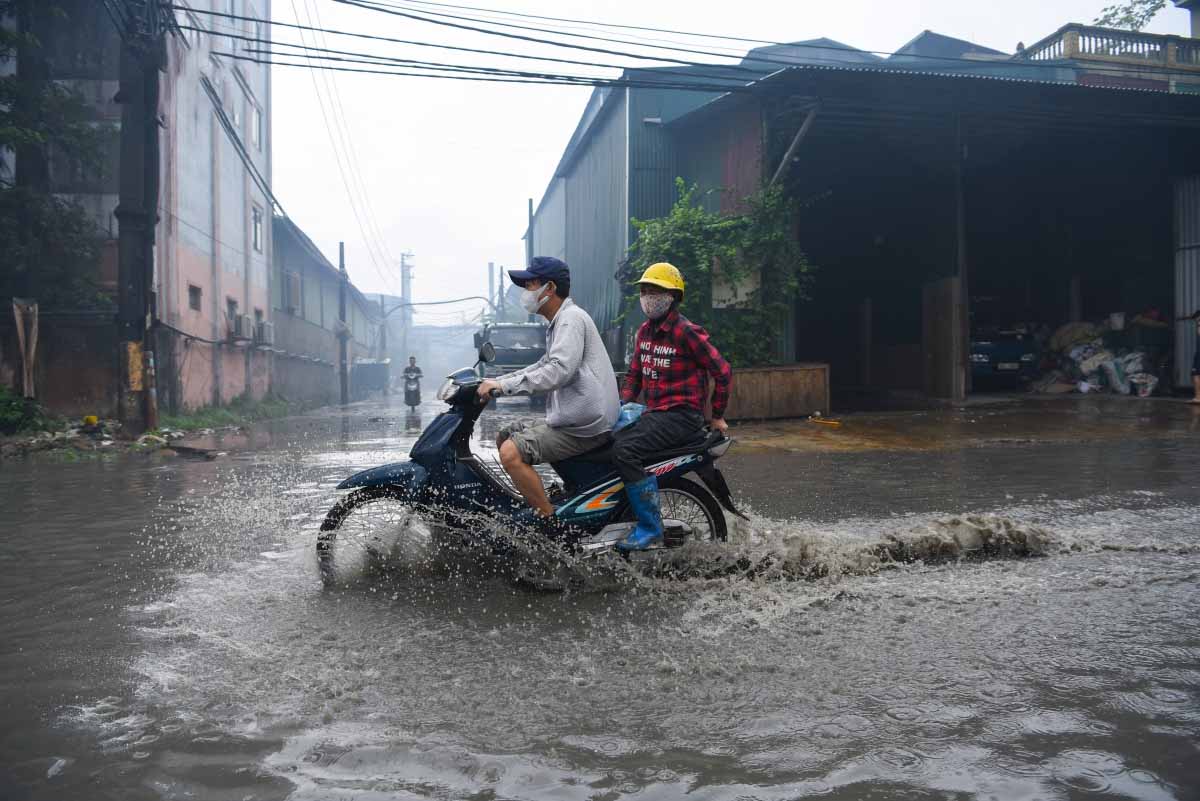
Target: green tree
{"x":49,"y":245}
{"x":755,"y":249}
{"x":1132,"y":14}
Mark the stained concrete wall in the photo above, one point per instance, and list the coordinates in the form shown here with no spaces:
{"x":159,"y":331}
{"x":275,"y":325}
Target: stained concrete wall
{"x":76,"y":362}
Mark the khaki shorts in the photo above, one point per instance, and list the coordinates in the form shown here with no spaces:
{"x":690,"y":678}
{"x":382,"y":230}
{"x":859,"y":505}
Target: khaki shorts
{"x":538,"y":443}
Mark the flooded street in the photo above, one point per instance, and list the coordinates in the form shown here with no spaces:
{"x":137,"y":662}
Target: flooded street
{"x":166,"y":634}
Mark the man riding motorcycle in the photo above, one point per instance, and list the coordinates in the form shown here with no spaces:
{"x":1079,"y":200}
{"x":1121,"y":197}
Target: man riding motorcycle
{"x":412,"y":383}
{"x":576,"y":374}
{"x":671,"y":363}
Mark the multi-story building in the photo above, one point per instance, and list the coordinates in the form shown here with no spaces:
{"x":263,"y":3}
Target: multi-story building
{"x":212,"y":276}
{"x":211,"y":282}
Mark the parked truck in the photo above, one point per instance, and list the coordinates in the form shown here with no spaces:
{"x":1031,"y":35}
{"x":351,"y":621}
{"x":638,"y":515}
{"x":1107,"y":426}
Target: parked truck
{"x":517,"y":345}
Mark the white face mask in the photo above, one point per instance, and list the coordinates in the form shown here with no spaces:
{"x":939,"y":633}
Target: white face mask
{"x":533,"y":299}
{"x":656,"y":306}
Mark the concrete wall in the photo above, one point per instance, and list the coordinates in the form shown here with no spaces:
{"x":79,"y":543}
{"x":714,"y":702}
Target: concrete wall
{"x":76,"y":362}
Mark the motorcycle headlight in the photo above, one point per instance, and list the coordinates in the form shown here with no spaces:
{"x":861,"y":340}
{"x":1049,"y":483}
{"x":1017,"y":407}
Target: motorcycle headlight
{"x":447,"y":391}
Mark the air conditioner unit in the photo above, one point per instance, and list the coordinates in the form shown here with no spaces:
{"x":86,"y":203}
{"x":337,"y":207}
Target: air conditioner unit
{"x":242,"y":328}
{"x":265,"y":335}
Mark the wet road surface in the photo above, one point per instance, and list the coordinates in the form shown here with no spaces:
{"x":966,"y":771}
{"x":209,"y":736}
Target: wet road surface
{"x":166,"y":636}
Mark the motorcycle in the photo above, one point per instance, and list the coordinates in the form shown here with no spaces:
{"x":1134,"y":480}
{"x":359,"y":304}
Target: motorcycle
{"x":412,"y":391}
{"x":445,"y":489}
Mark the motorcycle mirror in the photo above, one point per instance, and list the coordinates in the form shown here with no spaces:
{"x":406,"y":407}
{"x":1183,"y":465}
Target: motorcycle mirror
{"x":487,"y":353}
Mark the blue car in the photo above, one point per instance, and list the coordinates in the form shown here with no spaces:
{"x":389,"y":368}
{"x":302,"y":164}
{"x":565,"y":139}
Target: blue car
{"x":1003,"y":356}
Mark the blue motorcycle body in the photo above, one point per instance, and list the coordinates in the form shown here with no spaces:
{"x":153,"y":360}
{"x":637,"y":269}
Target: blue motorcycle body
{"x":442,"y":472}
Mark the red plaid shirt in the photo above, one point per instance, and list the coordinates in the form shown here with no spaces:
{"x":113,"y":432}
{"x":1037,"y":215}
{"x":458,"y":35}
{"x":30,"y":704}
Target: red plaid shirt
{"x":671,"y":363}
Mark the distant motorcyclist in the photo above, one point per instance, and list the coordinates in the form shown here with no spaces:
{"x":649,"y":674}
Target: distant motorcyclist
{"x":412,"y":383}
{"x":575,"y":373}
{"x":671,"y":363}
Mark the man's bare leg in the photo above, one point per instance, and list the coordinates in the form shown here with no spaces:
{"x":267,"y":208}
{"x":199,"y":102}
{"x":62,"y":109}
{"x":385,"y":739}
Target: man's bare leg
{"x":1196,"y":387}
{"x":528,"y":482}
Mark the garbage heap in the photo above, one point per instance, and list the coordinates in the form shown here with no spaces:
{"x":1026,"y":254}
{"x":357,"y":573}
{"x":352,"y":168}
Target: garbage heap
{"x":1112,"y":357}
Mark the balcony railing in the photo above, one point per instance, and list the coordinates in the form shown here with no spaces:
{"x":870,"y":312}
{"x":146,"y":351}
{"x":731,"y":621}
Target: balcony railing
{"x":1085,"y":43}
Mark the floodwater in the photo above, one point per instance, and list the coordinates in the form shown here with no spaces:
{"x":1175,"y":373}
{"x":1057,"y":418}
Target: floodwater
{"x":165,"y":635}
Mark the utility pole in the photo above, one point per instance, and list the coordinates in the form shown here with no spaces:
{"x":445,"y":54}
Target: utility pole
{"x":492,"y":282}
{"x":343,"y":329}
{"x":383,"y":332}
{"x":383,"y":344}
{"x":406,"y":313}
{"x":503,"y":291}
{"x":142,"y":57}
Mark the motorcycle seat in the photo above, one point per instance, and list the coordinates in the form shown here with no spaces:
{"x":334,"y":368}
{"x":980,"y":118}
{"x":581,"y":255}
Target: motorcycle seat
{"x":603,"y":454}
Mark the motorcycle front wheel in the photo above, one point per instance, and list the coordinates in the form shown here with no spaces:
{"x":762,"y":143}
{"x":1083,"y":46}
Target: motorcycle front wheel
{"x":369,"y":530}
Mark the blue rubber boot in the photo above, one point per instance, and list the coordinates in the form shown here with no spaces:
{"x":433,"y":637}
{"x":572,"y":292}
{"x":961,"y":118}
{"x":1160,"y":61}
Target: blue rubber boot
{"x":643,"y":497}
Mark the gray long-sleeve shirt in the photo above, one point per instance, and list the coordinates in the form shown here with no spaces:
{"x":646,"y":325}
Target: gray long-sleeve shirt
{"x":577,"y":374}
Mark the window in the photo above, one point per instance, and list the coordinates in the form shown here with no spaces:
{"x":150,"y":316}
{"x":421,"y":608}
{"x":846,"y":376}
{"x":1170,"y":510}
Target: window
{"x":231,"y":310}
{"x":257,"y":229}
{"x":258,"y":318}
{"x":237,"y":115}
{"x":195,"y":297}
{"x":256,"y":123}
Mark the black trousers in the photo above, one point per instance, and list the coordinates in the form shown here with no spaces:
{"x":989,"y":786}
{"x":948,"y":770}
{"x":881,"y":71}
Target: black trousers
{"x":652,"y":433}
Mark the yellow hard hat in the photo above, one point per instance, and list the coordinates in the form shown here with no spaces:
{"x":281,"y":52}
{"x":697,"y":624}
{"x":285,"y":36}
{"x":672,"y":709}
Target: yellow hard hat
{"x":664,"y":275}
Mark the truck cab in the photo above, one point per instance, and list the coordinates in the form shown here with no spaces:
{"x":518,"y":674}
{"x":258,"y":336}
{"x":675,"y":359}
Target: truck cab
{"x":517,"y":345}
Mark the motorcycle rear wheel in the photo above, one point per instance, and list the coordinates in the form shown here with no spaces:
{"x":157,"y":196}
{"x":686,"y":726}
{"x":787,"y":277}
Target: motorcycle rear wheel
{"x":692,"y":504}
{"x":366,"y":531}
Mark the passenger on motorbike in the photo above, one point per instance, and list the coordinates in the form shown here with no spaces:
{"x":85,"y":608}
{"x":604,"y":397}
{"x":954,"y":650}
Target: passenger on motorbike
{"x":671,"y":363}
{"x":575,"y":373}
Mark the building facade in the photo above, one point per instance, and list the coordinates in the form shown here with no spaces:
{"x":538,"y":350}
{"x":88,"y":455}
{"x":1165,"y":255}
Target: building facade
{"x":214,"y":251}
{"x":305,"y":306}
{"x":893,"y":220}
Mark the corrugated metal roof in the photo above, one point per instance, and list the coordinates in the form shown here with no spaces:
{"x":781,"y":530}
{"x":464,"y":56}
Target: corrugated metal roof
{"x":780,"y":76}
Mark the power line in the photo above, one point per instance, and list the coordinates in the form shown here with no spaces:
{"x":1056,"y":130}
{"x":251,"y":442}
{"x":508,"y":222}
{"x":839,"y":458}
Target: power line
{"x":418,"y":43}
{"x":239,"y":148}
{"x":615,"y":82}
{"x":338,"y":150}
{"x":338,"y":112}
{"x":374,"y":60}
{"x":535,"y":40}
{"x":384,"y":8}
{"x":370,"y":58}
{"x":590,"y":22}
{"x":554,"y":25}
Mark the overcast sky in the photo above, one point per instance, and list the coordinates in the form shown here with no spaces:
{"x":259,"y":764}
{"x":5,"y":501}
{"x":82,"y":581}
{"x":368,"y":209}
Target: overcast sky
{"x":446,"y":167}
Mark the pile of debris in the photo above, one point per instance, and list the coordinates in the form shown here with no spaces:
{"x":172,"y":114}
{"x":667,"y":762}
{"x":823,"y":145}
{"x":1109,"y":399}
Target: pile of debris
{"x":90,"y":434}
{"x":1086,"y":357}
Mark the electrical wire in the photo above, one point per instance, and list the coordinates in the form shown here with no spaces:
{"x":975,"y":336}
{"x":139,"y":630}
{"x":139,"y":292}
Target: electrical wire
{"x":373,"y":60}
{"x":338,"y":152}
{"x":239,"y":148}
{"x":417,"y":43}
{"x":615,"y":82}
{"x":370,"y":58}
{"x":393,"y":9}
{"x":590,"y":22}
{"x":372,"y":219}
{"x":554,"y":25}
{"x":521,"y":37}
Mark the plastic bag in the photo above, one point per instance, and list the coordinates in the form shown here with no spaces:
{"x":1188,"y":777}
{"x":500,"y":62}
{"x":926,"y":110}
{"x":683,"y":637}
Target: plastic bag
{"x":630,"y":412}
